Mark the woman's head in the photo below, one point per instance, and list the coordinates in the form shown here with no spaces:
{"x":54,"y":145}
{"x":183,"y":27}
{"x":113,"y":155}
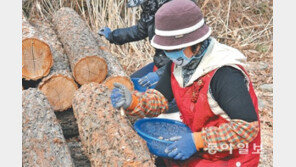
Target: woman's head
{"x":179,"y":30}
{"x":178,"y":25}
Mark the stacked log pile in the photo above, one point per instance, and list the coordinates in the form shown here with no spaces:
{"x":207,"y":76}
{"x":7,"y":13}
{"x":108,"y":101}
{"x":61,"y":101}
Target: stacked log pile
{"x":77,"y":54}
{"x":59,"y":86}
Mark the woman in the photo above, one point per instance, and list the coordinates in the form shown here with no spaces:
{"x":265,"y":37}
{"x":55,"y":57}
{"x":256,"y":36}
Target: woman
{"x":211,"y":88}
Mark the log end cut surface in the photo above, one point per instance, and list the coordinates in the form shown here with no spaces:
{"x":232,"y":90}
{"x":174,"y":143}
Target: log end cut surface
{"x":37,"y":59}
{"x":119,"y":79}
{"x":90,"y":69}
{"x":59,"y":91}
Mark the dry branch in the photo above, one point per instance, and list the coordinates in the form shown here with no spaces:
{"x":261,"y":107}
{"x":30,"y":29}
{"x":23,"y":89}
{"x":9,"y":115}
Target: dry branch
{"x":81,"y":47}
{"x":107,"y":137}
{"x":59,"y":86}
{"x":36,"y":54}
{"x":42,"y":140}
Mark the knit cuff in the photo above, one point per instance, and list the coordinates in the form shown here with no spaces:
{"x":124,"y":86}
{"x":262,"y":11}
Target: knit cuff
{"x":134,"y":103}
{"x":151,"y":104}
{"x":198,"y":141}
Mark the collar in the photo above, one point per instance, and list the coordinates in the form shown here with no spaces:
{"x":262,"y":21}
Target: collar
{"x":194,"y":62}
{"x":216,"y":56}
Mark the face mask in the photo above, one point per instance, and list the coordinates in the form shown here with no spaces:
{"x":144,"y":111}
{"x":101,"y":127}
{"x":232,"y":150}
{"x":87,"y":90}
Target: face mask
{"x":178,"y":57}
{"x":133,"y":3}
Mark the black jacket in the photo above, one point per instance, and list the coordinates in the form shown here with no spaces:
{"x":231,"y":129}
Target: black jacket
{"x":144,"y":28}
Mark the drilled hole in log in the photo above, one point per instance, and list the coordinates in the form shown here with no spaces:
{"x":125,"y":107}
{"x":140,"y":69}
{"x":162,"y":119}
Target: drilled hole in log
{"x":90,"y":69}
{"x":37,"y":59}
{"x":59,"y":91}
{"x":119,"y":79}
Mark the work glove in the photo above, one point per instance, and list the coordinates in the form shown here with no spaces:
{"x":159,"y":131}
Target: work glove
{"x":149,"y":80}
{"x":105,"y":32}
{"x":121,"y":96}
{"x":183,"y":148}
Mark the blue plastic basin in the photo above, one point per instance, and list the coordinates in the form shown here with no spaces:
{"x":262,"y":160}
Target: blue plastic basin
{"x":157,"y":131}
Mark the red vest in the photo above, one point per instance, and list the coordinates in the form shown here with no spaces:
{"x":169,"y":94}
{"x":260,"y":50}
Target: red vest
{"x":196,"y":113}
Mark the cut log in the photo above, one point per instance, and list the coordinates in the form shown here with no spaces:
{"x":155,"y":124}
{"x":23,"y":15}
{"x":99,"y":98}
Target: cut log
{"x":75,"y":146}
{"x":43,"y":142}
{"x":115,"y":70}
{"x":81,"y":48}
{"x":59,"y":86}
{"x":36,"y":54}
{"x":108,"y":138}
{"x":68,"y":123}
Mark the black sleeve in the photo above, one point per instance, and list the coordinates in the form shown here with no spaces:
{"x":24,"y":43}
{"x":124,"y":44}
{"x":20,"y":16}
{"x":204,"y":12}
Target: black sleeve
{"x":160,"y":71}
{"x":229,"y":89}
{"x":164,"y":84}
{"x":124,"y":35}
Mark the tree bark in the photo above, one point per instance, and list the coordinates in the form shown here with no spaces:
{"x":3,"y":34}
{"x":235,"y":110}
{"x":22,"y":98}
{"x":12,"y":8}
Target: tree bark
{"x":43,"y":142}
{"x":115,"y":70}
{"x":59,"y":86}
{"x":84,"y":55}
{"x":36,"y":53}
{"x":107,"y":137}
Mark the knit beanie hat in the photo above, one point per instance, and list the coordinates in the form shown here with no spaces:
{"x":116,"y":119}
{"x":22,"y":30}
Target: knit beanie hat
{"x":179,"y":24}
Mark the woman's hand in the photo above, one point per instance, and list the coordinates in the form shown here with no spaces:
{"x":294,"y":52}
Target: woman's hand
{"x":183,"y":148}
{"x":121,"y":96}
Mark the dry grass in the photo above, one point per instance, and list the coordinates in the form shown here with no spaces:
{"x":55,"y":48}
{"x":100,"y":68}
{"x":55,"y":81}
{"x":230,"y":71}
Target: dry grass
{"x":98,"y":14}
{"x":243,"y":24}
